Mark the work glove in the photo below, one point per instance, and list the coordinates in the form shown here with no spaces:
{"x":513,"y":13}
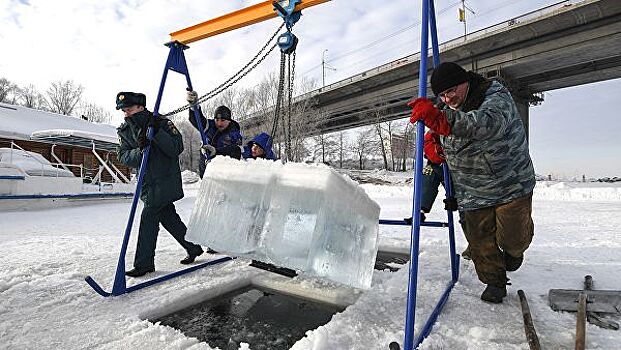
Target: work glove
{"x":432,"y":148}
{"x":208,"y":151}
{"x":154,"y":122}
{"x":192,"y":98}
{"x":450,"y":203}
{"x":435,"y":119}
{"x":143,"y":142}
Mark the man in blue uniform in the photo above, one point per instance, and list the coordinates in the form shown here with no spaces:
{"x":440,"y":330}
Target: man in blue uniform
{"x":221,"y":131}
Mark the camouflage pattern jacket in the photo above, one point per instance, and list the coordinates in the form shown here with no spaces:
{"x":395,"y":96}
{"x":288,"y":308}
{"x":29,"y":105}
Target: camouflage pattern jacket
{"x":487,"y":152}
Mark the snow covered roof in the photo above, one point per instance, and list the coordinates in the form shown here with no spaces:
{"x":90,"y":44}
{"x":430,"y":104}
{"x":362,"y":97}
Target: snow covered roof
{"x":21,"y":123}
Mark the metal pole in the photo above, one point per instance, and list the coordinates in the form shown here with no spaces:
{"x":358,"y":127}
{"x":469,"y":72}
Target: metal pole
{"x":420,"y":129}
{"x":463,"y":8}
{"x":323,"y":68}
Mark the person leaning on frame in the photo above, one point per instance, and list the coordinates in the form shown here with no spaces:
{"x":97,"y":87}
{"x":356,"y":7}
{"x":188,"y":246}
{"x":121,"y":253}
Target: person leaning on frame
{"x":486,"y":149}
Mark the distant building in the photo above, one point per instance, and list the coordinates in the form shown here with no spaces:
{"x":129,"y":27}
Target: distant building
{"x":77,"y":143}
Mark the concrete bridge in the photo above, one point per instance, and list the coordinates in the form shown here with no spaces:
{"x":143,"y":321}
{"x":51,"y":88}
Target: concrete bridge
{"x":567,"y":44}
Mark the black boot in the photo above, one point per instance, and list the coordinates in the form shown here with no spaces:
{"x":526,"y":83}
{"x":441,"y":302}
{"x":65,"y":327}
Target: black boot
{"x":466,"y":253}
{"x":493,"y":294}
{"x":409,"y":220}
{"x":512,"y":263}
{"x":211,"y":251}
{"x":139,"y":271}
{"x":191,"y":257}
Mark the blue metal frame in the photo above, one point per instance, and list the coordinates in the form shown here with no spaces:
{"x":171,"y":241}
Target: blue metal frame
{"x":175,"y":62}
{"x":428,"y":22}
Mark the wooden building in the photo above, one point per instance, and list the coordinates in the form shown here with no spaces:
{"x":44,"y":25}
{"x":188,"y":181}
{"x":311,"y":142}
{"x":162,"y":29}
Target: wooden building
{"x":85,"y":148}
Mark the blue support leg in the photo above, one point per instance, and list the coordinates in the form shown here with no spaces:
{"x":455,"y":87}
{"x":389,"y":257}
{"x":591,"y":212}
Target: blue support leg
{"x":176,"y":62}
{"x":428,"y":22}
{"x":410,"y":318}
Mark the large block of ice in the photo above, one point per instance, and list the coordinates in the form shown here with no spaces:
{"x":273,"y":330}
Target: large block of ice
{"x":300,"y":216}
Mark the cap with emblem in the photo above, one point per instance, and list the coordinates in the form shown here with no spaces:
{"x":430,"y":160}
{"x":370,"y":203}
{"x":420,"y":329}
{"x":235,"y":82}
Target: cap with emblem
{"x":128,"y":99}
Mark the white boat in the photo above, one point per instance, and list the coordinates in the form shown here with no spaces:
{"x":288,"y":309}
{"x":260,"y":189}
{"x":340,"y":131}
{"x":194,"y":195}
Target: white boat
{"x":48,"y":160}
{"x":29,"y":181}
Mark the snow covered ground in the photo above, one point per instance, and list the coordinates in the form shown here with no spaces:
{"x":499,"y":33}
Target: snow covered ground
{"x":45,"y":303}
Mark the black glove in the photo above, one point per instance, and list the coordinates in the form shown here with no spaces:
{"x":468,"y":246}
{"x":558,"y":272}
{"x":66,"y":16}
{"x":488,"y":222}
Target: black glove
{"x":143,"y":142}
{"x":450,"y":203}
{"x":154,"y":122}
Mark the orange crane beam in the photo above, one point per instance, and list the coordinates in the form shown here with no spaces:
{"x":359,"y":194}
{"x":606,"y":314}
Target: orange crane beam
{"x":234,"y":20}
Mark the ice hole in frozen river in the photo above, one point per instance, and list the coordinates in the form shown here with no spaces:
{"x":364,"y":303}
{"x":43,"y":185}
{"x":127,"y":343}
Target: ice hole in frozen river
{"x":262,"y":315}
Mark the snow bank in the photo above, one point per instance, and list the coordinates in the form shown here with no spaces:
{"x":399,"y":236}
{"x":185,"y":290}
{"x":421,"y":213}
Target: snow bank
{"x":577,"y":191}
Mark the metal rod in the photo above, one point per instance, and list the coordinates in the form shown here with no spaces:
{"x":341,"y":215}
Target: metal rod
{"x":434,"y":315}
{"x":103,"y":163}
{"x":403,"y":223}
{"x":234,"y":20}
{"x":410,"y":317}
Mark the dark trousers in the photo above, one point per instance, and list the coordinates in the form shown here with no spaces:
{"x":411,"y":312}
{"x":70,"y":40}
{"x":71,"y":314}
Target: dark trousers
{"x":150,"y":220}
{"x":432,"y":178}
{"x":493,"y":230}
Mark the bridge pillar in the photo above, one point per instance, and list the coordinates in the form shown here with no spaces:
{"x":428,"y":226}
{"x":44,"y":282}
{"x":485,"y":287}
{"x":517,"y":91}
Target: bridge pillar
{"x":522,"y":106}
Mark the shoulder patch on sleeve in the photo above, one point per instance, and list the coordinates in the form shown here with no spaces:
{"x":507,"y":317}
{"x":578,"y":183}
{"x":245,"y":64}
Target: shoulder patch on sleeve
{"x":172,"y":127}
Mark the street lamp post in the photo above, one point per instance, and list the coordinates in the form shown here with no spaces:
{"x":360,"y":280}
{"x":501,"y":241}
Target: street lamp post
{"x":323,"y":67}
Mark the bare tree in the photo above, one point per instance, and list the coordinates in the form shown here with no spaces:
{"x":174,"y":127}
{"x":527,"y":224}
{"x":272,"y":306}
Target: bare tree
{"x":364,"y":145}
{"x":381,"y":143}
{"x":190,"y":157}
{"x":341,"y":148}
{"x":64,"y":96}
{"x":94,"y":113}
{"x":325,"y":146}
{"x":8,"y":91}
{"x":403,"y":145}
{"x":30,"y":97}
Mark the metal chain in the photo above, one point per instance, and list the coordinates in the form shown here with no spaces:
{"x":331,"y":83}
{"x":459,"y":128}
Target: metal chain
{"x":235,"y":78}
{"x":291,"y":80}
{"x":281,"y":87}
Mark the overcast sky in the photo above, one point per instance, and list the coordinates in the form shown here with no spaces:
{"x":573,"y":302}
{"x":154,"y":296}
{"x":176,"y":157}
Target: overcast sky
{"x":117,"y":45}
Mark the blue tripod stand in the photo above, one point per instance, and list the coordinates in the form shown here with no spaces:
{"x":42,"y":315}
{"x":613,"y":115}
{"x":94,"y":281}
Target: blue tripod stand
{"x":177,"y":63}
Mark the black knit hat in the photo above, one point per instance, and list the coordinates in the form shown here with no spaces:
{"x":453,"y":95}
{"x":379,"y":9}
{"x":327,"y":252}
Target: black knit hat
{"x":222,"y":112}
{"x":128,"y":99}
{"x":447,"y":75}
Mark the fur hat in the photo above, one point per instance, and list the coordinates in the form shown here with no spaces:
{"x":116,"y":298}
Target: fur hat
{"x":128,"y":99}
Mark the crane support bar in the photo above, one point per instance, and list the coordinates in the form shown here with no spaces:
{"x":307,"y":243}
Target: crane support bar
{"x":234,"y":20}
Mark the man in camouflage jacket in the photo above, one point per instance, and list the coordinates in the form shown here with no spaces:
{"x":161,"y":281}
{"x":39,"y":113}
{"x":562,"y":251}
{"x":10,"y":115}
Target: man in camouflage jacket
{"x":161,"y":185}
{"x":485,"y":144}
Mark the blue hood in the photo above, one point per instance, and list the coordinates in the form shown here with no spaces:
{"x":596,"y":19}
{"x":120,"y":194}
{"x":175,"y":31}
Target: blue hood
{"x":264,"y":141}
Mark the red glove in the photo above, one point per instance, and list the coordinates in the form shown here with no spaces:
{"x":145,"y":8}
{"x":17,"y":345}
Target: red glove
{"x":435,"y":119}
{"x":432,"y":148}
